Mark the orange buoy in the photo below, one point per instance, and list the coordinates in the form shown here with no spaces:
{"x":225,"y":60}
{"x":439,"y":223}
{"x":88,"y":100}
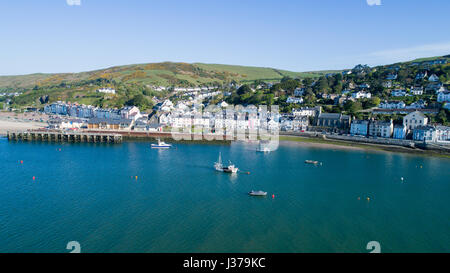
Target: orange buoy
{"x":21,"y":161}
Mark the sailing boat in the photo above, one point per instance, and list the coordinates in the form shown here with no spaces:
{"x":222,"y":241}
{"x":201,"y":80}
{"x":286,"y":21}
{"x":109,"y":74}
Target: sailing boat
{"x":219,"y":166}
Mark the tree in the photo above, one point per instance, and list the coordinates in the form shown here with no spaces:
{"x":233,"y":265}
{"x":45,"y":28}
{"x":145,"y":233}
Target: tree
{"x":443,"y":116}
{"x":352,"y":107}
{"x":243,"y":90}
{"x":322,"y":86}
{"x":372,"y":102}
{"x":139,"y":101}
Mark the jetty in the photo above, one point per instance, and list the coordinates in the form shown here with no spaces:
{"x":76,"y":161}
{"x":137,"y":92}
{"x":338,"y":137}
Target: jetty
{"x":64,"y":136}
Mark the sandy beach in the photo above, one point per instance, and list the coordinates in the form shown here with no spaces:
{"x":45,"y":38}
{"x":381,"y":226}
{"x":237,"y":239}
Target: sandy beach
{"x":6,"y":126}
{"x":21,"y":121}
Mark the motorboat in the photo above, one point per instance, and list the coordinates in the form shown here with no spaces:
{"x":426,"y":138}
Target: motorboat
{"x":312,"y":162}
{"x":161,"y":145}
{"x":257,"y":193}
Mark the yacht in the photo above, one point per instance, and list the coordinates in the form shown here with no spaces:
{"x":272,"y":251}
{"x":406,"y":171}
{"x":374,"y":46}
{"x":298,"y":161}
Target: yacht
{"x":229,"y":169}
{"x":161,"y":145}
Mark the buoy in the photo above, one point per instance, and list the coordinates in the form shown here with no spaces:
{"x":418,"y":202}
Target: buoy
{"x":401,"y":178}
{"x":368,"y":199}
{"x":248,"y":172}
{"x":21,"y":161}
{"x":136,"y":177}
{"x":273,"y":196}
{"x":34,"y":178}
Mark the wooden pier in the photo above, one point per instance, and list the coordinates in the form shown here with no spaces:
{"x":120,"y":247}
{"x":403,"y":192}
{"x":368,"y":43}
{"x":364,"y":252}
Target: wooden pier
{"x":63,"y":136}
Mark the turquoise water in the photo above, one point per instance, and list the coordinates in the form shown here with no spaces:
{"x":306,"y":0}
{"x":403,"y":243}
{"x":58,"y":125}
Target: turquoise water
{"x":89,"y":193}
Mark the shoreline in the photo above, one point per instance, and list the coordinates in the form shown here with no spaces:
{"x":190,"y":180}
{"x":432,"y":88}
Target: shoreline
{"x":316,"y":142}
{"x":304,"y":141}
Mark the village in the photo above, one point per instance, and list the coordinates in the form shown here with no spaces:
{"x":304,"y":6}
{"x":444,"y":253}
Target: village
{"x":406,"y":109}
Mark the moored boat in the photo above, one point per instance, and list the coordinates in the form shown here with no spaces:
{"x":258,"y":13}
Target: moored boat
{"x":257,"y":193}
{"x":231,"y":168}
{"x":161,"y":145}
{"x":312,"y":162}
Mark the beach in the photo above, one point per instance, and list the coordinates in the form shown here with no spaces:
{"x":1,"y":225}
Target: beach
{"x":21,"y":121}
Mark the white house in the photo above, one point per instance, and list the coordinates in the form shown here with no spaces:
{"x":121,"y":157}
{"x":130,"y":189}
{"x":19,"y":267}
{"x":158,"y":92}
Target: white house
{"x":166,"y":106}
{"x":417,"y":91}
{"x":300,"y":123}
{"x":305,"y":111}
{"x":361,"y":94}
{"x":442,"y":133}
{"x":223,"y":104}
{"x":414,"y":119}
{"x":106,"y":90}
{"x":381,"y":128}
{"x":294,"y":100}
{"x":392,"y":105}
{"x":130,"y":112}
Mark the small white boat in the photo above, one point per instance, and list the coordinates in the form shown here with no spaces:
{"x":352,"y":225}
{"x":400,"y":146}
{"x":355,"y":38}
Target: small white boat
{"x":220,"y":168}
{"x":257,"y":193}
{"x":161,"y":145}
{"x":312,"y":162}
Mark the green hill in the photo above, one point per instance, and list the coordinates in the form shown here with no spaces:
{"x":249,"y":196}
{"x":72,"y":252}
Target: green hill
{"x":165,"y":74}
{"x":131,"y":80}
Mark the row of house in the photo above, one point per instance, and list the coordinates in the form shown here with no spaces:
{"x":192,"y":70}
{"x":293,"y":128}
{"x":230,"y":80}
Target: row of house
{"x":89,"y":111}
{"x":221,"y":120}
{"x":432,"y":133}
{"x":13,"y":94}
{"x":415,"y":123}
{"x":387,"y":129}
{"x":420,"y":104}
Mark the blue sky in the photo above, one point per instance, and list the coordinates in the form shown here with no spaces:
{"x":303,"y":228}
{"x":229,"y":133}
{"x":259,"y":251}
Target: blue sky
{"x":53,"y":36}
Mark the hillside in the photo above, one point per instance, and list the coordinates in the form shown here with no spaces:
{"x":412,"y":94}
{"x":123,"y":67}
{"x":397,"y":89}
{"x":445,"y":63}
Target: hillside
{"x":165,"y":74}
{"x":131,"y":80}
{"x":135,"y":83}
